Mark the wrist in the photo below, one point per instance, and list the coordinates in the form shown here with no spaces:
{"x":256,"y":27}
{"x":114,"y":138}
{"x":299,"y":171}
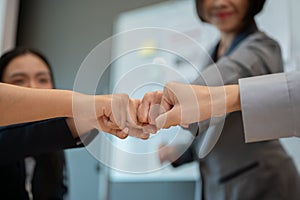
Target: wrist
{"x":232,"y":98}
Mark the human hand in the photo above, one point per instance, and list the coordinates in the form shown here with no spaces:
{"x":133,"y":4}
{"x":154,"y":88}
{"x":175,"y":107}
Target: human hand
{"x":178,"y":106}
{"x":115,"y":114}
{"x":119,"y":116}
{"x":167,"y":153}
{"x":148,"y":110}
{"x":183,"y":104}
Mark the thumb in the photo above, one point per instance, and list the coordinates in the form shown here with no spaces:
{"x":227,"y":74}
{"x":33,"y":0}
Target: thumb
{"x":168,"y":119}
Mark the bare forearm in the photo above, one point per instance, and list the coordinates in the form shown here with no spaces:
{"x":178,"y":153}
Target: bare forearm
{"x":108,"y":113}
{"x":217,"y":101}
{"x":18,"y":104}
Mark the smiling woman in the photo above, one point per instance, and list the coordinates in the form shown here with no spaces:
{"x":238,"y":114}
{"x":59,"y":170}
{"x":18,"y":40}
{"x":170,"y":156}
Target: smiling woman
{"x":28,"y":71}
{"x":233,"y":169}
{"x":227,"y":16}
{"x":26,"y":67}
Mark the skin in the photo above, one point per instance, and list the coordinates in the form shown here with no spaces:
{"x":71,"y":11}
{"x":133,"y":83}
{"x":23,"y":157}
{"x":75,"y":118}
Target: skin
{"x":15,"y":100}
{"x":206,"y":100}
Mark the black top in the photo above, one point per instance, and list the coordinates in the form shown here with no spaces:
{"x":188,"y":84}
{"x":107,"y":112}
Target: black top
{"x":44,"y":140}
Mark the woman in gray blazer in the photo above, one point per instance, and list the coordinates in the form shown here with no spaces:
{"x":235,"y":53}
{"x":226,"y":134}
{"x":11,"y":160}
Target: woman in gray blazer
{"x":233,"y":169}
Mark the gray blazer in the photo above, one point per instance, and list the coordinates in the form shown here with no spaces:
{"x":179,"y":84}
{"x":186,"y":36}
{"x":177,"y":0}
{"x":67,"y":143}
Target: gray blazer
{"x":273,"y":100}
{"x":234,"y":170}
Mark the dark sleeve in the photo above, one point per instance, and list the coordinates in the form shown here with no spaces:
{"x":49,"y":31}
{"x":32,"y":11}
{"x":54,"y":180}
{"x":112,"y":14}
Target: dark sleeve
{"x":186,"y":157}
{"x":189,"y":154}
{"x":29,"y":139}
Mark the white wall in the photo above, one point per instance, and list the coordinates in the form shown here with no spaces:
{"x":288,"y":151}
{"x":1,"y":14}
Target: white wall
{"x":293,"y":144}
{"x":295,"y":30}
{"x":8,"y":23}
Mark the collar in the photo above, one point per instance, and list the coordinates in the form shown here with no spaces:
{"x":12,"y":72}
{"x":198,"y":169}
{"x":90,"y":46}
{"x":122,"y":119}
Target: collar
{"x":248,"y":30}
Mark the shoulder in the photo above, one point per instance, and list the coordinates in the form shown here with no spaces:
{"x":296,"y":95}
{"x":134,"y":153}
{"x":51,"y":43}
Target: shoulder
{"x":261,"y":39}
{"x":260,"y":44}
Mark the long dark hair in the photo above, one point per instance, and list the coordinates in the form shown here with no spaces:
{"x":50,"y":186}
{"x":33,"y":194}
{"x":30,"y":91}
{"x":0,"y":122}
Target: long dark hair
{"x":8,"y":56}
{"x":255,"y":6}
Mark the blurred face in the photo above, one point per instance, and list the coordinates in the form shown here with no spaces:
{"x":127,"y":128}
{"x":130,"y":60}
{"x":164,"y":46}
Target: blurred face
{"x":28,"y":71}
{"x":227,"y":15}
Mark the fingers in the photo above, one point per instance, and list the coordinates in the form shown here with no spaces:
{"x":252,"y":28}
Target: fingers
{"x":138,"y":133}
{"x":119,"y":133}
{"x":153,"y":113}
{"x":143,"y":110}
{"x":103,"y":126}
{"x":179,"y":105}
{"x":121,"y":116}
{"x":168,"y":119}
{"x":122,"y":134}
{"x":165,"y":105}
{"x":119,"y":109}
{"x":106,"y":125}
{"x":168,"y":100}
{"x":167,"y":153}
{"x":132,"y":118}
{"x":147,"y":110}
{"x":150,"y":129}
{"x":161,"y":153}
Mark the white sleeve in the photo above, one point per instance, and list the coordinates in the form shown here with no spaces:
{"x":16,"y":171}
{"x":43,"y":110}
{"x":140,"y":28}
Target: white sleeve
{"x":270,"y":106}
